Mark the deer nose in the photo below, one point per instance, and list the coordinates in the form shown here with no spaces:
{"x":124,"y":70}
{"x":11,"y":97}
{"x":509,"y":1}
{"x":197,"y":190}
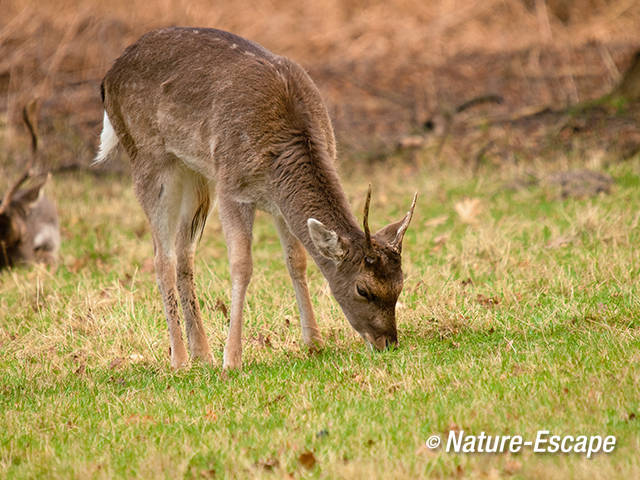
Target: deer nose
{"x":391,"y":342}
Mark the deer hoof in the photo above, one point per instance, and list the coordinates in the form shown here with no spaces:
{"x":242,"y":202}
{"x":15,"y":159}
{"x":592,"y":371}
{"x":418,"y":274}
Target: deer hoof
{"x":203,"y":357}
{"x":314,"y":344}
{"x":232,"y":360}
{"x":179,"y":358}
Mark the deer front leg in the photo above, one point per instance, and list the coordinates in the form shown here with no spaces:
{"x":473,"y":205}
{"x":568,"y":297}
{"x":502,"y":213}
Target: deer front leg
{"x":237,"y":224}
{"x":296,"y":260}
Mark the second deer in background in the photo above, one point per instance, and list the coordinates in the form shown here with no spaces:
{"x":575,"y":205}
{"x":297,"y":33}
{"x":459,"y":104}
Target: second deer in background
{"x":29,"y":229}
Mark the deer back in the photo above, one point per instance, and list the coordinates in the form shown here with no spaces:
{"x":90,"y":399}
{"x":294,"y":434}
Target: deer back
{"x":222,"y":104}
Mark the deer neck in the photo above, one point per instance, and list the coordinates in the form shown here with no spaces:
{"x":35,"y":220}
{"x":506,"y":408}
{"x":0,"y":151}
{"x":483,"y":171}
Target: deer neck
{"x":308,"y":187}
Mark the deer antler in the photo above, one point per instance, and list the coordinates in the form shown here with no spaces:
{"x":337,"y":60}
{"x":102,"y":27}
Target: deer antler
{"x":30,"y":120}
{"x":397,"y":242}
{"x":26,"y":116}
{"x":365,"y":220}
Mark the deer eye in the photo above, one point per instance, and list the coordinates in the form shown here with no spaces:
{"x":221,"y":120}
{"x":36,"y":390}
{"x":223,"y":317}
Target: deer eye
{"x":362,"y":292}
{"x":366,"y":294}
{"x":370,"y":260}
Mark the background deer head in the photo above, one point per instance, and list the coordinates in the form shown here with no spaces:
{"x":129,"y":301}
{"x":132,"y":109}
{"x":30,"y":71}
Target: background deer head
{"x":29,"y":228}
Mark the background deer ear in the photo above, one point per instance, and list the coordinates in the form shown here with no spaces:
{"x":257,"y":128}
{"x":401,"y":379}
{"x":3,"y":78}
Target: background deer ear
{"x":29,"y":196}
{"x":328,"y":243}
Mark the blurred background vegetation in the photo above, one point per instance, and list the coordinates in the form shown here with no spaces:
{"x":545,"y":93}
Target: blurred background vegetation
{"x":395,"y":74}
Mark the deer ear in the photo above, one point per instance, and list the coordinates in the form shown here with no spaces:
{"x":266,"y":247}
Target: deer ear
{"x":328,"y":242}
{"x":387,"y":235}
{"x":28,"y":197}
{"x":393,"y":234}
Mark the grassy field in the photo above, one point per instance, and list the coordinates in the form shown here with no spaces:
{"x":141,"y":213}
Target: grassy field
{"x":520,"y":312}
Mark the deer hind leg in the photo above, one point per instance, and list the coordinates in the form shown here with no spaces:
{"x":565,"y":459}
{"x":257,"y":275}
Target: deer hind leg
{"x":195,"y":209}
{"x":296,"y":260}
{"x":237,"y":224}
{"x":160,"y":195}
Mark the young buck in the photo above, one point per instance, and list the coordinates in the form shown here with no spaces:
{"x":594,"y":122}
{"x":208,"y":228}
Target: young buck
{"x":205,"y":114}
{"x":29,"y":230}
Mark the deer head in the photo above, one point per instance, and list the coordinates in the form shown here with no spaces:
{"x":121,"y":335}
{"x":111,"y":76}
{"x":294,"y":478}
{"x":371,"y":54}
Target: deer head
{"x":368,"y":274}
{"x":19,"y":226}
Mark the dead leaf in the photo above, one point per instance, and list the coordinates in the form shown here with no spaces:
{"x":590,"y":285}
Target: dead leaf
{"x":137,"y":419}
{"x":264,"y":341}
{"x":307,"y":460}
{"x":441,"y":239}
{"x":493,"y":474}
{"x":210,"y":415}
{"x":274,"y":400}
{"x":119,"y":381}
{"x":468,"y":210}
{"x":411,"y":142}
{"x":512,"y":466}
{"x":78,"y":264}
{"x":136,"y":358}
{"x":560,"y":241}
{"x":487,"y":301}
{"x":436,"y":221}
{"x":269,"y":464}
{"x":220,"y":305}
{"x":210,"y":473}
{"x":116,"y":362}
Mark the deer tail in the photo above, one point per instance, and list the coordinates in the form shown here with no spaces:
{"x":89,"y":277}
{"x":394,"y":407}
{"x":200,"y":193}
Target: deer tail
{"x":108,"y":140}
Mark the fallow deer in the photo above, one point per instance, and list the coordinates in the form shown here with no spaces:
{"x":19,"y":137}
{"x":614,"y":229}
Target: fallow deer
{"x":206,"y":114}
{"x":29,"y":230}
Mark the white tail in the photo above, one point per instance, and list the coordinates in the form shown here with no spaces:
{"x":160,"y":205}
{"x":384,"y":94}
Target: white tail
{"x":108,"y":140}
{"x":206,"y":114}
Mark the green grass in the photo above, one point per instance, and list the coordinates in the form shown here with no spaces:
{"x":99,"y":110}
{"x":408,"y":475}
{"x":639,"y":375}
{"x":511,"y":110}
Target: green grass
{"x":524,"y":315}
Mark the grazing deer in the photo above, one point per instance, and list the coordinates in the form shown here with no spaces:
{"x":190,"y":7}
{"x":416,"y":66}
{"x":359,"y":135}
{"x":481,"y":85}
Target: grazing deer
{"x":29,"y":230}
{"x":206,"y":114}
